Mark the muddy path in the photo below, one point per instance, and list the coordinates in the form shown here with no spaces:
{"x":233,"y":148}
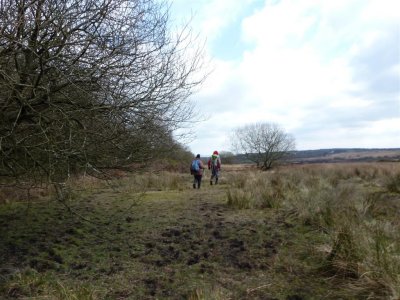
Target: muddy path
{"x":228,"y":248}
{"x":168,"y":245}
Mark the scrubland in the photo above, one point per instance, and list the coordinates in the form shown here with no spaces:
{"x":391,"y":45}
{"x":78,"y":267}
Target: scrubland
{"x":328,"y":231}
{"x":353,"y":208}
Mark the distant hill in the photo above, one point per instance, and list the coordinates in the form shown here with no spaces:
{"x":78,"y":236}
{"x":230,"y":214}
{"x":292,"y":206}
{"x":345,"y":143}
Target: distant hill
{"x":337,"y":155}
{"x":345,"y":154}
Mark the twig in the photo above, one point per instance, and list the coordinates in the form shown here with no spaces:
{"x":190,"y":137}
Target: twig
{"x":257,"y":288}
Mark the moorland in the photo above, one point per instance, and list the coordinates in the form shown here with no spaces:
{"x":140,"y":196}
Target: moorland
{"x":310,"y":231}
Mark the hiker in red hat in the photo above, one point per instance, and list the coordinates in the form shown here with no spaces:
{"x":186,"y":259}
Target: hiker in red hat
{"x":214,"y":164}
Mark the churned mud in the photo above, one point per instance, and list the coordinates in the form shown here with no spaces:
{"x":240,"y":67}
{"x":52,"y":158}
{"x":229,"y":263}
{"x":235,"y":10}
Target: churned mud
{"x":167,"y":245}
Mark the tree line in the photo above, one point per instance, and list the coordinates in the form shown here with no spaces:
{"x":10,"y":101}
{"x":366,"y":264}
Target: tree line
{"x":90,"y":84}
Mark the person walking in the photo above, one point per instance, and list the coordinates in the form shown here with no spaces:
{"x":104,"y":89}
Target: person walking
{"x":214,"y":164}
{"x":196,"y":169}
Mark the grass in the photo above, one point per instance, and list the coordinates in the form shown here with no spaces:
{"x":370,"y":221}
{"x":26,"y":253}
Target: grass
{"x":328,"y":231}
{"x":355,"y":207}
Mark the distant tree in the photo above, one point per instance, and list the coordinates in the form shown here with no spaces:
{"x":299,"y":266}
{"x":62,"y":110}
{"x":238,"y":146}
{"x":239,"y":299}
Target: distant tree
{"x":263,"y":143}
{"x":89,"y":84}
{"x":227,"y":157}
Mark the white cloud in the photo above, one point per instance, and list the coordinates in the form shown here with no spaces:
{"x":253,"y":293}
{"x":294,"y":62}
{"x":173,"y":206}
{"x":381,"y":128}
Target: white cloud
{"x":327,"y":71}
{"x":382,"y":11}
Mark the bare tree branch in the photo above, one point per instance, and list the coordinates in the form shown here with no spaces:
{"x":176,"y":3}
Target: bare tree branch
{"x":90,"y":81}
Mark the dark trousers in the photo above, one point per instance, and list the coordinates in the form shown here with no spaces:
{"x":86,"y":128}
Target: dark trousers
{"x":214,"y":174}
{"x":197,"y":180}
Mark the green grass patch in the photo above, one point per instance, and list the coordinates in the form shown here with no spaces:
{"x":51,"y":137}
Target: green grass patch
{"x":304,"y":235}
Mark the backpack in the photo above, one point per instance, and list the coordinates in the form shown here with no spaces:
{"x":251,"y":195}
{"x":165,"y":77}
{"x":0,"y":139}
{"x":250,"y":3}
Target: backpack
{"x":195,"y":166}
{"x":214,"y":161}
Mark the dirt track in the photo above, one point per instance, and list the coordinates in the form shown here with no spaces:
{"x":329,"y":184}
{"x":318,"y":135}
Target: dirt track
{"x":170,"y":245}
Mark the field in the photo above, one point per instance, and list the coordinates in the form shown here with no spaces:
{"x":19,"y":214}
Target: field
{"x":320,"y":231}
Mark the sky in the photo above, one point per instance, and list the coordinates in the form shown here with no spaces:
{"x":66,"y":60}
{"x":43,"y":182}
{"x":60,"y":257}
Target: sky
{"x":328,"y":72}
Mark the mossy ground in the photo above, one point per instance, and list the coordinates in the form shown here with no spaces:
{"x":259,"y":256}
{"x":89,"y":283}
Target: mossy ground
{"x":175,"y":244}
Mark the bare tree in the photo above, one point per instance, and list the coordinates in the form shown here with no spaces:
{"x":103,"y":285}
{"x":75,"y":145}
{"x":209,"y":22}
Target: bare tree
{"x":263,"y":143}
{"x":83,"y":81}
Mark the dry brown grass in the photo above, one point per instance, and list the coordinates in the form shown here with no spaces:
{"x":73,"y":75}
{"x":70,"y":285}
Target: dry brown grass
{"x":351,"y":213}
{"x":357,"y":206}
{"x":22,"y":193}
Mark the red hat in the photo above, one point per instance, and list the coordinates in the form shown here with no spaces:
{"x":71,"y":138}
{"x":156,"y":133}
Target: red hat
{"x":215,"y":152}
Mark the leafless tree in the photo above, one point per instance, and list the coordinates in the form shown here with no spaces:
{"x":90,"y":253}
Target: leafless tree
{"x":263,"y":143}
{"x":89,"y":83}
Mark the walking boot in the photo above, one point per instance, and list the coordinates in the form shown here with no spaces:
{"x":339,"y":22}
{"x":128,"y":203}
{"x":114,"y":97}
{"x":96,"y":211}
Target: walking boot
{"x":194,"y":185}
{"x":210,"y":182}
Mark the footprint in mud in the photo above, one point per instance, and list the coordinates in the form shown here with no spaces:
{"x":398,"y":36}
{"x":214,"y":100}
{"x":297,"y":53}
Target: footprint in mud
{"x":270,"y":248}
{"x":237,"y":244}
{"x":78,"y":266}
{"x":205,"y":269}
{"x":129,"y":219}
{"x":170,"y":252}
{"x":294,"y":297}
{"x":208,"y":225}
{"x":149,"y":245}
{"x":242,"y":263}
{"x":217,"y":235}
{"x":151,"y":285}
{"x":238,"y":256}
{"x":171,"y":232}
{"x":220,"y":222}
{"x":195,"y":259}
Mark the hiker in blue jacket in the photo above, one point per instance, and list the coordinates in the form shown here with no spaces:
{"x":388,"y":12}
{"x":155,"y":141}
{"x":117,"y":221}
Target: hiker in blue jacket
{"x":196,"y":169}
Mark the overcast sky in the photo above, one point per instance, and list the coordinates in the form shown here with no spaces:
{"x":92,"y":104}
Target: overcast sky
{"x":327,"y":71}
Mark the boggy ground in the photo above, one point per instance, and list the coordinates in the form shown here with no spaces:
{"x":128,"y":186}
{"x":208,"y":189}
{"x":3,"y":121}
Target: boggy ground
{"x":179,"y":244}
